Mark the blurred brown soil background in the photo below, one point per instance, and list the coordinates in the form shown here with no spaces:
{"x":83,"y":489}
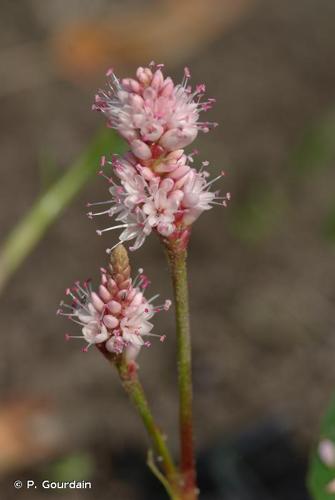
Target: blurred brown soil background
{"x":262,"y":273}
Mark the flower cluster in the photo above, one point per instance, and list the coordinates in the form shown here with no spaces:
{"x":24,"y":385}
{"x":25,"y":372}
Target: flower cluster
{"x":152,"y":113}
{"x":153,"y":187}
{"x":117,"y":316}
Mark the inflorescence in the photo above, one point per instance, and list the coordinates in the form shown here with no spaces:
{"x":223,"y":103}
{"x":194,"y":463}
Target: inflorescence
{"x":153,"y":187}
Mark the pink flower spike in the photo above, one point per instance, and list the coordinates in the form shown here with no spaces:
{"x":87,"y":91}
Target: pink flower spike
{"x":148,"y":106}
{"x":153,"y":188}
{"x":118,"y":317}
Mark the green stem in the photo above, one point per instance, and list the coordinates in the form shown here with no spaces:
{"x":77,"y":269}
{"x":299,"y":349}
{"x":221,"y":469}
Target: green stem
{"x":156,"y":472}
{"x":133,"y":387}
{"x":177,"y":260}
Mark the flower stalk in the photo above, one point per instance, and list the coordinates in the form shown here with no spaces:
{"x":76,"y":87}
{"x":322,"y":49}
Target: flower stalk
{"x":130,"y":381}
{"x":177,"y":257}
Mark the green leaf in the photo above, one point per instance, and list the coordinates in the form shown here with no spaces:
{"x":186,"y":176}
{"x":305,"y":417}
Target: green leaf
{"x":319,"y":474}
{"x":29,"y":231}
{"x":48,"y":173}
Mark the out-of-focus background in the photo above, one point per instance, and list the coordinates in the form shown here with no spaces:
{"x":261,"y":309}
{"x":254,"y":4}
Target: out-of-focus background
{"x":262,"y":273}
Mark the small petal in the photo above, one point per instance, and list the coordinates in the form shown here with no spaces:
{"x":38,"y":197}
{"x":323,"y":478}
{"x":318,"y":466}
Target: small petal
{"x":177,"y":139}
{"x":104,"y":293}
{"x":110,"y":321}
{"x":114,"y":307}
{"x":140,"y":149}
{"x":97,"y":302}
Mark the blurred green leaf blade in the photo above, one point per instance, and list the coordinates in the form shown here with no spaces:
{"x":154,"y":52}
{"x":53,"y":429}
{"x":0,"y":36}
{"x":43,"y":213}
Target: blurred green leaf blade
{"x":29,"y":231}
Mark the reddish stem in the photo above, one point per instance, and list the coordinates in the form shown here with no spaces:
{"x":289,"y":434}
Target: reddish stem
{"x":177,"y":254}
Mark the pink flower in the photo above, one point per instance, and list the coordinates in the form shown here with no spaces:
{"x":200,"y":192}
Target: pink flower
{"x":117,"y":316}
{"x":197,"y":196}
{"x":167,"y":202}
{"x":162,"y":206}
{"x":154,"y":188}
{"x":151,"y":111}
